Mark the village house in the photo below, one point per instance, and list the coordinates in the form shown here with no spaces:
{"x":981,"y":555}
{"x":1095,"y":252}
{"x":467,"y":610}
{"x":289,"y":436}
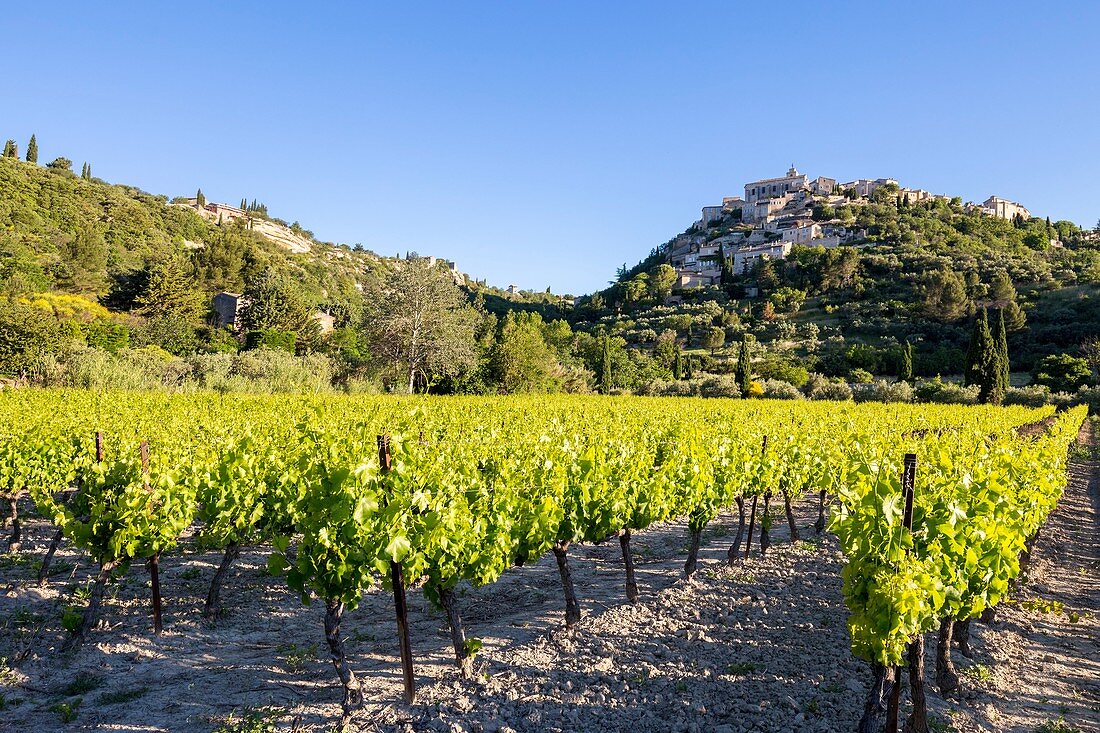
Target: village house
{"x":802,"y":233}
{"x":746,"y":258}
{"x":780,"y":213}
{"x":711,"y":213}
{"x":864,"y":187}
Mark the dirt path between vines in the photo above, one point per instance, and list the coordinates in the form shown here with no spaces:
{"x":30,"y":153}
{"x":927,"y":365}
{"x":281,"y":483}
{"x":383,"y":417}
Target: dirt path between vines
{"x":1044,"y":650}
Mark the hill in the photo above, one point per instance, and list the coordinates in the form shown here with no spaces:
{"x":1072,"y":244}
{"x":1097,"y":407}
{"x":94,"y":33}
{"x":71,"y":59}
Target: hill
{"x":84,"y":236}
{"x":835,"y":281}
{"x":107,"y":285}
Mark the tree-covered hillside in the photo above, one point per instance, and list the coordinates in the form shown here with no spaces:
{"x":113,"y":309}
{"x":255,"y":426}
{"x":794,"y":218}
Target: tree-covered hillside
{"x":916,"y":274}
{"x":105,"y":285}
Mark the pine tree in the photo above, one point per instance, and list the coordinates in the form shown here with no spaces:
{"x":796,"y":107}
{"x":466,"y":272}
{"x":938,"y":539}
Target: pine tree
{"x":905,"y":371}
{"x":744,"y":368}
{"x":1002,"y":377}
{"x":32,"y":150}
{"x":11,"y":150}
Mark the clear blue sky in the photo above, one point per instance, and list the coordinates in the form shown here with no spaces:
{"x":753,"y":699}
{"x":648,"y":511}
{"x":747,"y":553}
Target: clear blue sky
{"x":544,"y":144}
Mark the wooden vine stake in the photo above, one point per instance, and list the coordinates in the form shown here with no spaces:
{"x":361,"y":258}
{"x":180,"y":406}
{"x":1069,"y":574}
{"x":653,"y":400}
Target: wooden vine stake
{"x":397,"y":576}
{"x":628,"y":563}
{"x":918,"y":718}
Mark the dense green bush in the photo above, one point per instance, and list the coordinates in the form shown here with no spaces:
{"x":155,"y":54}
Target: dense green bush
{"x":270,"y":339}
{"x":1063,"y":373}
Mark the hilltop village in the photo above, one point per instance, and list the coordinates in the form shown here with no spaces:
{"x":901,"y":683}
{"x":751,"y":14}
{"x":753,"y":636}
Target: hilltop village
{"x":777,"y":213}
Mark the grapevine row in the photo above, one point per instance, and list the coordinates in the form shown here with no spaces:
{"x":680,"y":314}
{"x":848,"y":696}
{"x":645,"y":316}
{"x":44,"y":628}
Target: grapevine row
{"x":357,"y":492}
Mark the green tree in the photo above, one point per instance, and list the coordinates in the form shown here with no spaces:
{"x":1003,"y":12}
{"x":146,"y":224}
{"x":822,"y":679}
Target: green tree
{"x":522,"y":360}
{"x":200,"y":199}
{"x":945,"y":297}
{"x":419,"y":323}
{"x":27,"y":334}
{"x":32,"y":150}
{"x":661,"y":279}
{"x":11,"y":150}
{"x":60,"y":164}
{"x":714,"y":339}
{"x":905,"y":369}
{"x":1090,"y":349}
{"x":1063,"y":373}
{"x":1002,"y":377}
{"x":605,"y":365}
{"x":744,"y":367}
{"x":170,"y":289}
{"x":273,"y":301}
{"x":982,"y":365}
{"x":84,"y":260}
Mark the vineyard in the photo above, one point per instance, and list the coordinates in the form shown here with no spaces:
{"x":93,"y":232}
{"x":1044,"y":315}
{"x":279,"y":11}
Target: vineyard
{"x":935,"y":507}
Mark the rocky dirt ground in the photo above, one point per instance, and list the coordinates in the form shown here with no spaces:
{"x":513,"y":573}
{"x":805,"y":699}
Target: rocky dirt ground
{"x":757,"y":647}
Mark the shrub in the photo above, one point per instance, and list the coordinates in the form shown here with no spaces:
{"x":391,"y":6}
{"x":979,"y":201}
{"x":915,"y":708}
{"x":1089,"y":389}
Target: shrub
{"x":719,"y":386}
{"x":1033,"y":395}
{"x":1063,"y":373}
{"x":1089,"y":396}
{"x":946,"y":393}
{"x":269,"y":370}
{"x":883,"y":391}
{"x":819,"y":387}
{"x":782,"y":369}
{"x":773,"y":389}
{"x":270,"y":339}
{"x":860,"y":376}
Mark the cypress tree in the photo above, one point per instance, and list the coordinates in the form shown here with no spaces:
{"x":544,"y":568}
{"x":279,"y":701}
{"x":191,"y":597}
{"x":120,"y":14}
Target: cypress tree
{"x":982,"y":365}
{"x":905,"y":370}
{"x":972,"y":374}
{"x":11,"y":150}
{"x":1003,"y":374}
{"x":678,"y":364}
{"x":88,"y":170}
{"x":744,"y":368}
{"x":689,"y":366}
{"x":605,"y":366}
{"x":32,"y":150}
{"x":200,"y":198}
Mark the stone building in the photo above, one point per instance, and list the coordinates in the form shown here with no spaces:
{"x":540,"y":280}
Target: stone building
{"x":773,"y":187}
{"x":1003,"y":208}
